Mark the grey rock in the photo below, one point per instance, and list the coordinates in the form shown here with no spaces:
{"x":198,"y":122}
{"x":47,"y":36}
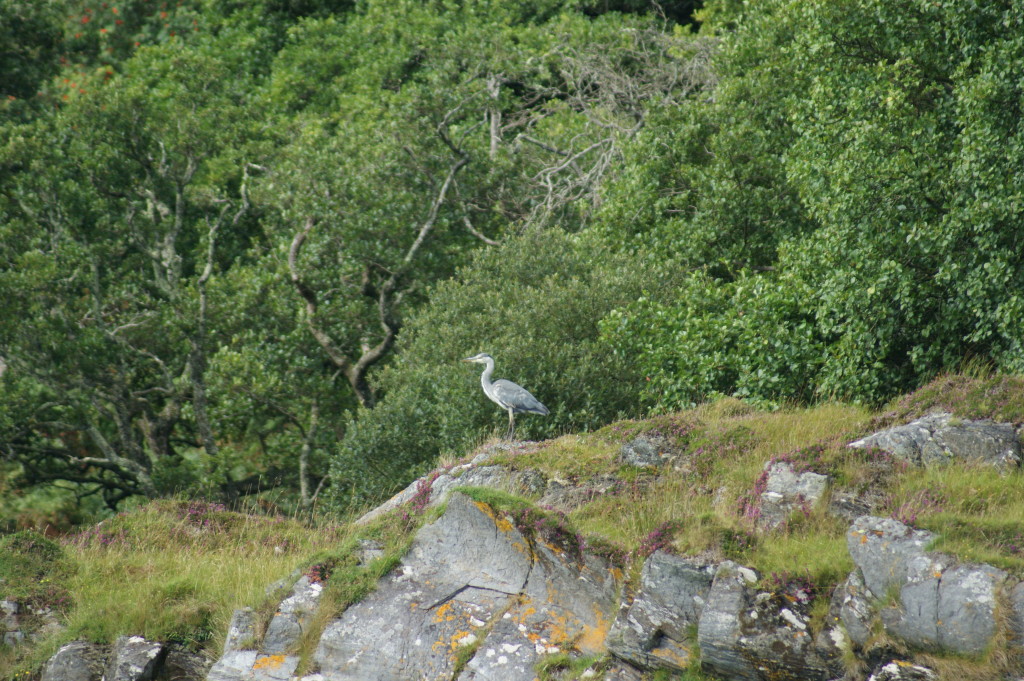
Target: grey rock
{"x":504,"y":656}
{"x":720,"y":628}
{"x":653,"y":631}
{"x":566,"y":498}
{"x":749,"y":636}
{"x":898,"y":670}
{"x":646,"y":451}
{"x":915,"y":618}
{"x":942,"y":605}
{"x":133,"y":658}
{"x":1016,"y":600}
{"x":620,"y":671}
{"x":75,"y":661}
{"x":292,"y":617}
{"x":184,"y":665}
{"x":881,"y":549}
{"x":368,"y":551}
{"x":500,"y":477}
{"x":947,"y":608}
{"x":787,"y":491}
{"x":832,"y":642}
{"x":241,"y":631}
{"x":856,"y":611}
{"x":273,"y":667}
{"x":233,"y":666}
{"x":431,"y":487}
{"x":239,"y":649}
{"x":9,"y":625}
{"x":436,"y":486}
{"x":464,"y":570}
{"x":940,"y":438}
{"x":850,"y":505}
{"x":967,"y":607}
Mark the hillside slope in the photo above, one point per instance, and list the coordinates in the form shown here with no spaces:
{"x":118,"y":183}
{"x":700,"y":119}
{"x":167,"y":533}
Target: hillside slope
{"x":718,"y":542}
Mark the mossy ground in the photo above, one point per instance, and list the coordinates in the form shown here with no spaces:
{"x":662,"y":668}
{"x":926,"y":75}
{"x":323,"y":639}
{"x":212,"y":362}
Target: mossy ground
{"x":182,"y":567}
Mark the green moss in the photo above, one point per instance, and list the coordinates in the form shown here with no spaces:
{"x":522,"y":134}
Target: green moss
{"x":566,"y":667}
{"x":495,"y":498}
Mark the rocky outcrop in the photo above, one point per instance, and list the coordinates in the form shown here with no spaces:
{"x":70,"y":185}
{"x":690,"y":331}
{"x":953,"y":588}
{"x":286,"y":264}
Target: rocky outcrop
{"x":133,"y":658}
{"x":76,"y":661}
{"x":649,"y":450}
{"x":655,"y":629}
{"x":482,"y":595}
{"x":429,"y":491}
{"x":472,"y":579}
{"x":927,"y":599}
{"x":786,"y":491}
{"x":941,"y":438}
{"x":754,"y":635}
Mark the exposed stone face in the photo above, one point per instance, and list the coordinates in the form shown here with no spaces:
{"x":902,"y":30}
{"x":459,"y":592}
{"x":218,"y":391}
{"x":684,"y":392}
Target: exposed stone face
{"x":944,"y":608}
{"x":941,"y":438}
{"x":882,"y":548}
{"x":568,"y":497}
{"x":748,"y":635}
{"x":787,"y":491}
{"x":942,"y":604}
{"x":75,"y":661}
{"x":856,"y":609}
{"x":239,"y":649}
{"x":471,"y":576}
{"x":650,"y":450}
{"x":433,"y":490}
{"x":720,"y":626}
{"x":653,"y":631}
{"x":133,"y":658}
{"x":292,"y":617}
{"x":899,"y":670}
{"x":479,"y":591}
{"x":184,"y":665}
{"x":12,"y":634}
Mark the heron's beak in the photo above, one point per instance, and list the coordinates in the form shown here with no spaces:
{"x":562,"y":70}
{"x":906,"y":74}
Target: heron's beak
{"x":467,"y":359}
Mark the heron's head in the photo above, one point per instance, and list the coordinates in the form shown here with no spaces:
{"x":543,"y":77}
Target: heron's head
{"x":479,"y":359}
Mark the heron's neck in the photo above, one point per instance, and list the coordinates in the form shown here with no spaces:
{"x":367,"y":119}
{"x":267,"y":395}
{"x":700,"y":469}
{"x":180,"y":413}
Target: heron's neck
{"x":485,"y":377}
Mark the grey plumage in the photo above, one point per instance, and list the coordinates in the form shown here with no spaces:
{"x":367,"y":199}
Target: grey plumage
{"x":511,"y":397}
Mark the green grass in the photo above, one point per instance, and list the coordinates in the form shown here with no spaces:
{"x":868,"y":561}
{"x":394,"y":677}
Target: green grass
{"x":173,"y":571}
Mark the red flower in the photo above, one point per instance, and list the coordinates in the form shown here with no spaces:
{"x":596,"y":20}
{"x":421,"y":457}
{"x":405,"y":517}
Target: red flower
{"x":85,"y":19}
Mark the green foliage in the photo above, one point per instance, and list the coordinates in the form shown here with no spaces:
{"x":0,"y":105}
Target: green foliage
{"x":863,"y":153}
{"x":29,"y":47}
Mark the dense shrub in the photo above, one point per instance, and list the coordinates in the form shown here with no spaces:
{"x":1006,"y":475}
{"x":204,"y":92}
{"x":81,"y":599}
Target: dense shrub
{"x":860,"y":160}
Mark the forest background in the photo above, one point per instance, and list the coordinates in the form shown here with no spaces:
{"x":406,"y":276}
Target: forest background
{"x":244,"y":244}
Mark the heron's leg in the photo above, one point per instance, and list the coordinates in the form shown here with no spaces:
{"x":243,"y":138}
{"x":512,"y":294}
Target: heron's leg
{"x":511,"y":425}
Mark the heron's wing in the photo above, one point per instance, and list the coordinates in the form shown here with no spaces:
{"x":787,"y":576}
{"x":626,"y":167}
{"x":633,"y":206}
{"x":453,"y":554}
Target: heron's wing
{"x":517,"y":398}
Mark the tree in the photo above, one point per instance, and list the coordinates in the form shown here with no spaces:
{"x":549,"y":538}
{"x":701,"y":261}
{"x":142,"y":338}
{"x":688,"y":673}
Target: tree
{"x":114,"y":234}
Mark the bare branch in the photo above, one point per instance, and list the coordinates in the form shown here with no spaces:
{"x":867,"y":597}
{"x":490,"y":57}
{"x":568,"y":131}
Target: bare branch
{"x":472,"y":230}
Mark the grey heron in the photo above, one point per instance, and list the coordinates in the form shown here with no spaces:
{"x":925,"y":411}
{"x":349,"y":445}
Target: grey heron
{"x":511,"y":397}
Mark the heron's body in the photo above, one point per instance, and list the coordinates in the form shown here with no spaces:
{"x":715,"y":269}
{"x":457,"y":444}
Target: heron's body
{"x":510,"y":396}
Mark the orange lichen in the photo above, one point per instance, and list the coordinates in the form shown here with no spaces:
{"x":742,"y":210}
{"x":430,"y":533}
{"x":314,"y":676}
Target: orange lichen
{"x":443,"y":613}
{"x":680,"y":660}
{"x":269,"y":662}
